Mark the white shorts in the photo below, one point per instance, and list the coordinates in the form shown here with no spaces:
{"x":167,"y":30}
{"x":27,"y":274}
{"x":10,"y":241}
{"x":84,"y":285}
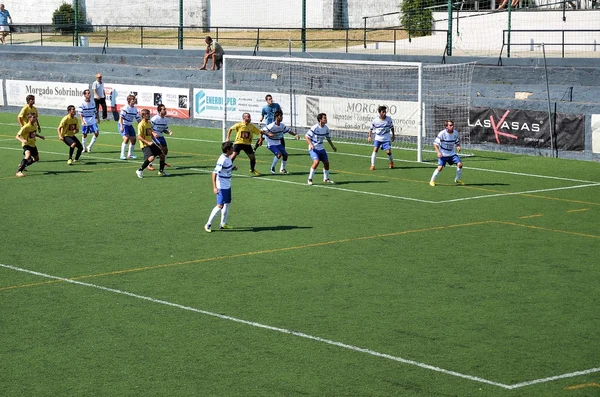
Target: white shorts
{"x":4,"y":28}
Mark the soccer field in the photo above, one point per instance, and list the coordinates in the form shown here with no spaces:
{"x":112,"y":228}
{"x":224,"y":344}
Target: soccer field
{"x":379,"y":285}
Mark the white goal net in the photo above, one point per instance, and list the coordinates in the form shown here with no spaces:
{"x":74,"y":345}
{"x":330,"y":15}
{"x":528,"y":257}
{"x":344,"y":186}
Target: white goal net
{"x":419,"y":97}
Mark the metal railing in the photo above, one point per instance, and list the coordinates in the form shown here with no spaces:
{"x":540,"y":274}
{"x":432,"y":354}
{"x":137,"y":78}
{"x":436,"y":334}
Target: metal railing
{"x":564,"y":41}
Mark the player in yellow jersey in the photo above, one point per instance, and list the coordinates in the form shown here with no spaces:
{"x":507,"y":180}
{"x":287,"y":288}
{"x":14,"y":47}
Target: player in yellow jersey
{"x":27,"y":135}
{"x":68,"y":127}
{"x":244,"y":134}
{"x":150,"y":145}
{"x":29,"y":108}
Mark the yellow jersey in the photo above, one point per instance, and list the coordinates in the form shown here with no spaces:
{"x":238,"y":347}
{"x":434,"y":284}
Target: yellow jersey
{"x":145,"y":131}
{"x":28,"y":132}
{"x":26,"y":110}
{"x":244,"y":133}
{"x":69,"y":125}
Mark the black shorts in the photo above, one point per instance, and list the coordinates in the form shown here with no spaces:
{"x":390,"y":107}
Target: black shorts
{"x":151,"y":150}
{"x":69,"y":140}
{"x":32,"y":149}
{"x":238,"y":147}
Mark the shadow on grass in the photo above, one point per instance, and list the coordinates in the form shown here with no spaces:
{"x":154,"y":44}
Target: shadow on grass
{"x":264,"y":228}
{"x":353,"y":182}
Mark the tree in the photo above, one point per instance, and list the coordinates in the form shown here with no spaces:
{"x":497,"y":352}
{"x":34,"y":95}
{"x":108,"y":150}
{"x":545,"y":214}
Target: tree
{"x":416,"y":17}
{"x":63,"y":19}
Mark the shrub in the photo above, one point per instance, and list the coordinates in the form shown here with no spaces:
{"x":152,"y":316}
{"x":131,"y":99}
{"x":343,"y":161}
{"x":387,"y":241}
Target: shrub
{"x":416,"y":17}
{"x":63,"y":20}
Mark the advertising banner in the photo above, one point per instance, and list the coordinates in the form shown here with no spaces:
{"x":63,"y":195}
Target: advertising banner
{"x":528,"y":128}
{"x":1,"y":93}
{"x":176,"y":100}
{"x":596,"y":133}
{"x":208,"y":104}
{"x":48,"y":95}
{"x":358,"y":114}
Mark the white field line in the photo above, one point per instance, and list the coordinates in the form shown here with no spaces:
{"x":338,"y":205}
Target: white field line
{"x":552,"y":378}
{"x":263,"y":178}
{"x":264,"y":326}
{"x":382,"y":158}
{"x":518,"y":193}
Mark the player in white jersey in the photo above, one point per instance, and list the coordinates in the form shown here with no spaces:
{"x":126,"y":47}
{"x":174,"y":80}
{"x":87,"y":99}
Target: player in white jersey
{"x":221,"y":180}
{"x":160,"y":126}
{"x":383,"y":128}
{"x":128,"y":114}
{"x":444,"y":144}
{"x":274,"y":133}
{"x":89,"y":125}
{"x":315,"y":137}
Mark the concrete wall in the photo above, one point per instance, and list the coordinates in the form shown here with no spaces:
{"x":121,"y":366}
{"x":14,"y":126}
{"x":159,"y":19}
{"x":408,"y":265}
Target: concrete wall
{"x":215,"y":13}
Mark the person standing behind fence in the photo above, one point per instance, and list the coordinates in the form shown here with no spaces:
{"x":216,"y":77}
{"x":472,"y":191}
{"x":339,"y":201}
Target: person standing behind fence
{"x":99,"y":97}
{"x":4,"y":18}
{"x":215,"y":52}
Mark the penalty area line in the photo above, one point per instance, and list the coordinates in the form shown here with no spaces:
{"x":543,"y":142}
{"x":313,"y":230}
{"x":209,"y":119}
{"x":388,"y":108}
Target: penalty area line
{"x":263,"y":326}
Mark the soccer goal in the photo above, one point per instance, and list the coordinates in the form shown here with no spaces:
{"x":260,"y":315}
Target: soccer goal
{"x":419,"y":97}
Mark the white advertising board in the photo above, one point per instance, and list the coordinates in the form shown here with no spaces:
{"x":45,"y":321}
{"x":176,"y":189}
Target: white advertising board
{"x":358,"y":114}
{"x":1,"y":93}
{"x":595,"y":133}
{"x":48,"y":95}
{"x":176,"y":100}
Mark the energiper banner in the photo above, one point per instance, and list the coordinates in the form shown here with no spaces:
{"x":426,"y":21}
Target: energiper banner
{"x":48,"y":95}
{"x":208,"y":104}
{"x":176,"y":100}
{"x":527,"y":128}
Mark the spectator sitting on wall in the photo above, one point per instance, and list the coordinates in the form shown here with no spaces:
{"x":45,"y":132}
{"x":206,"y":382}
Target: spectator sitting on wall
{"x":513,"y":4}
{"x":215,"y":52}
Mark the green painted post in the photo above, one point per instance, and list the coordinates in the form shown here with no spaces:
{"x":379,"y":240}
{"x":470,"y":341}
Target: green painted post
{"x":303,"y":25}
{"x":76,"y":31}
{"x":180,"y":32}
{"x":449,"y":34}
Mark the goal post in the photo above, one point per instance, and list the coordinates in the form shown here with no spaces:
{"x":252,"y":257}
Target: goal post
{"x":417,"y":95}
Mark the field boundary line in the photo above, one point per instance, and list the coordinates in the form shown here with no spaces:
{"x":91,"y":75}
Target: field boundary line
{"x":250,"y":253}
{"x":527,"y":192}
{"x":264,"y":326}
{"x":546,"y":229}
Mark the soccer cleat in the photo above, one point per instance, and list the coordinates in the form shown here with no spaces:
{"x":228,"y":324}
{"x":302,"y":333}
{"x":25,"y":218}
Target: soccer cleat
{"x":224,"y":226}
{"x":89,"y":149}
{"x":391,"y":164}
{"x":372,"y":168}
{"x":254,"y":172}
{"x":123,"y":158}
{"x":283,"y":171}
{"x":328,"y":181}
{"x":84,"y":149}
{"x":20,"y":174}
{"x":150,"y":168}
{"x":431,"y":183}
{"x":459,"y":182}
{"x":273,"y":170}
{"x":76,"y":161}
{"x":70,"y":161}
{"x":132,"y":157}
{"x":162,"y":173}
{"x":207,"y":228}
{"x":310,"y":182}
{"x":139,"y":173}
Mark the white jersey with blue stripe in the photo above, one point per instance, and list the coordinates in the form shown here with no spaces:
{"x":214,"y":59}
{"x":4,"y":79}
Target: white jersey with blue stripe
{"x":382,"y":128}
{"x":278,"y":132}
{"x":128,"y":114}
{"x":159,"y":124}
{"x":317,"y":135}
{"x":88,"y":112}
{"x":446,"y":142}
{"x":223,"y":170}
